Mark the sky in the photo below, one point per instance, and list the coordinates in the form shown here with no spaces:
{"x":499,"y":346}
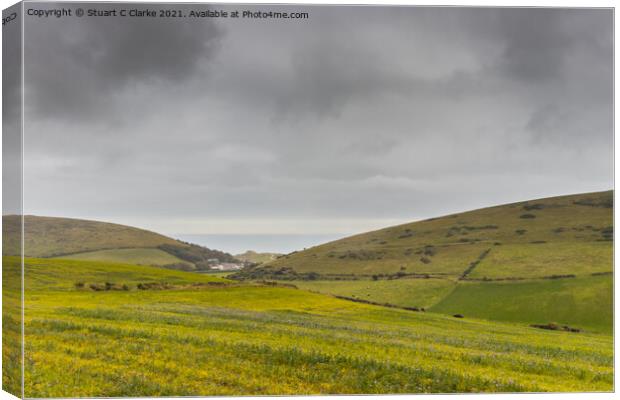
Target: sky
{"x":354,"y":119}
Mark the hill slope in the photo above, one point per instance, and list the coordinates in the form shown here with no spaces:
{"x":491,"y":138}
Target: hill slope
{"x":538,"y":238}
{"x":175,"y":341}
{"x":257,"y":258}
{"x":51,"y":236}
{"x":102,"y":241}
{"x":522,"y":252}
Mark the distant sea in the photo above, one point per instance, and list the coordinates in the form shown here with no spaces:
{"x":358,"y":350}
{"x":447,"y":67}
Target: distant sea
{"x":236,"y":244}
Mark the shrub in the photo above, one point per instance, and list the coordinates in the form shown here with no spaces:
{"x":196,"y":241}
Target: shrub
{"x":604,"y":203}
{"x":429,"y":251}
{"x":530,"y":207}
{"x":458,"y":316}
{"x":96,"y":287}
{"x":527,"y":216}
{"x":313,"y":276}
{"x":79,"y":285}
{"x":553,"y":326}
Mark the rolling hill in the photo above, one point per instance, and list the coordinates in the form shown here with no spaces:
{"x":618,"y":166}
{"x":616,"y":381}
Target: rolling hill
{"x":67,"y":238}
{"x":257,"y":258}
{"x":548,"y":255}
{"x":101,"y":329}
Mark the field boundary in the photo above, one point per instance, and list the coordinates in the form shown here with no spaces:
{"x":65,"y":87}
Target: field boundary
{"x":474,"y":264}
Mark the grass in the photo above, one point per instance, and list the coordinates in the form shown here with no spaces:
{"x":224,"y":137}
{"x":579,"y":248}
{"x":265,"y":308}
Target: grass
{"x":128,"y":256}
{"x":546,"y":259}
{"x":62,"y":275}
{"x":399,"y":292}
{"x":258,"y":340}
{"x":255,"y":257}
{"x":585,"y":302}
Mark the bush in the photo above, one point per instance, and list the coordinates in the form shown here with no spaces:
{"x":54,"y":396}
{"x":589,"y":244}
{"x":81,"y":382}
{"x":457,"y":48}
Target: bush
{"x":429,"y":251}
{"x":79,"y":285}
{"x":458,"y":316}
{"x":527,"y":216}
{"x":96,"y":287}
{"x":553,"y":326}
{"x":313,"y":276}
{"x":530,"y":207}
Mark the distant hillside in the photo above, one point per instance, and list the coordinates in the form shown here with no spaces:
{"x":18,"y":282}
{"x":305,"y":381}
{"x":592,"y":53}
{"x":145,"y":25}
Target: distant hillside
{"x":50,"y":236}
{"x":537,"y":238}
{"x":258,"y":258}
{"x":102,"y":241}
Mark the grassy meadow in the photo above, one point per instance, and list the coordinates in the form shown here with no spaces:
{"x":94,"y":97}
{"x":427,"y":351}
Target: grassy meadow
{"x":204,"y":335}
{"x":129,"y":256}
{"x":400,"y":292}
{"x":585,"y":302}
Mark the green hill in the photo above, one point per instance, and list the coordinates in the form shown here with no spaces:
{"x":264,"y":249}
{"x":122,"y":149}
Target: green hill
{"x":257,"y":258}
{"x":97,"y":329}
{"x":437,"y":261}
{"x":101,"y":241}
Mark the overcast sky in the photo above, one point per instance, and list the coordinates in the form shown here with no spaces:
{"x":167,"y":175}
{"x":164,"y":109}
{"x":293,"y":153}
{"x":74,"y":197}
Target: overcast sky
{"x":354,"y":119}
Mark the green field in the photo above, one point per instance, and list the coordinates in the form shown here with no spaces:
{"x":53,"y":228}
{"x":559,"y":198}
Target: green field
{"x":400,"y":292}
{"x":545,"y":259}
{"x":585,"y":302}
{"x":129,"y":256}
{"x":201,"y":338}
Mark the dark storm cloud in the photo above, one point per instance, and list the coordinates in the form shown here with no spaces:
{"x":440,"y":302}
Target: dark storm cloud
{"x":357,"y":113}
{"x":78,"y":69}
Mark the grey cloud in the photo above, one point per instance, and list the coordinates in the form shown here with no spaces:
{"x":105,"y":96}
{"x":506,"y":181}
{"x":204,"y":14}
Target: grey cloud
{"x":363,"y":112}
{"x":79,"y":68}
